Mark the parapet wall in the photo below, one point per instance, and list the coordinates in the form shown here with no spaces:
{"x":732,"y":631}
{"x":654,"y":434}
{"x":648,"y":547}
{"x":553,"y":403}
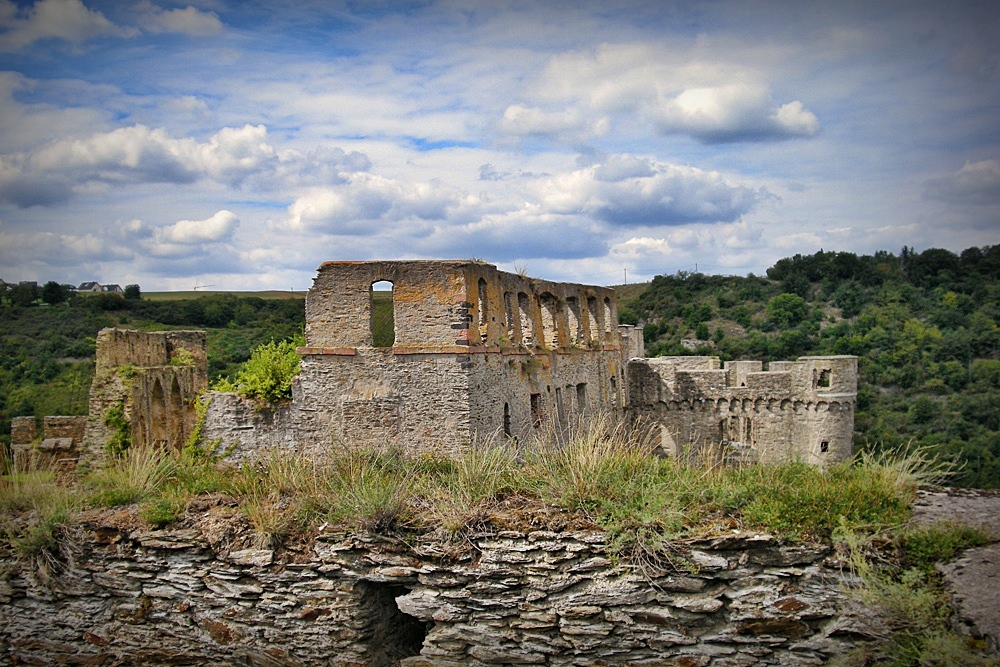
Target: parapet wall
{"x":203,"y":594}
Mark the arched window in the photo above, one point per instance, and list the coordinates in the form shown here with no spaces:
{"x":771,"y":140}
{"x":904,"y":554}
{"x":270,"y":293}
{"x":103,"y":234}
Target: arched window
{"x":549,"y":332}
{"x":383,"y":326}
{"x":595,"y":334}
{"x":484,"y":317}
{"x":574,"y":321}
{"x":508,"y":311}
{"x":607,"y":319}
{"x":527,"y":321}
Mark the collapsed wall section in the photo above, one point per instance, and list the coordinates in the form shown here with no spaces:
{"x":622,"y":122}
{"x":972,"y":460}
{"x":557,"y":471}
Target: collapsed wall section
{"x":796,"y":409}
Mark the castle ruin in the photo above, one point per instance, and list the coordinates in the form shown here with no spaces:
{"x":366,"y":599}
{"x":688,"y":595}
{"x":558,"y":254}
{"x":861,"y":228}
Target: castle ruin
{"x":475,"y":353}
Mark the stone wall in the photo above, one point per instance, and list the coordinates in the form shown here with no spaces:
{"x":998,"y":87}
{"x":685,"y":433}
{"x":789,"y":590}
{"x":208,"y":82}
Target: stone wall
{"x":155,"y":377}
{"x":477,"y":353}
{"x":57,"y":447}
{"x":802,"y":409}
{"x":203,"y":595}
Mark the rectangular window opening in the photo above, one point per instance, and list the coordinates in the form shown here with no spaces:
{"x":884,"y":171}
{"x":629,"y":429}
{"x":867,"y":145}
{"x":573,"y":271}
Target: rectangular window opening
{"x":536,"y":410}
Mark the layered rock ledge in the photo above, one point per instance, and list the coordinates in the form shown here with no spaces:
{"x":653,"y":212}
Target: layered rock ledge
{"x":203,"y":594}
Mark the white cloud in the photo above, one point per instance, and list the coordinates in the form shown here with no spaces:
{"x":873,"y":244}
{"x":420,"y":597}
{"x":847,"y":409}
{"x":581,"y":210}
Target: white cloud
{"x":713,"y":102}
{"x":632,"y":191}
{"x":218,"y":227}
{"x":66,"y":168}
{"x":188,"y":21}
{"x":350,"y":209}
{"x":733,"y":113}
{"x":69,"y":20}
{"x":19,"y":248}
{"x":975,"y":183}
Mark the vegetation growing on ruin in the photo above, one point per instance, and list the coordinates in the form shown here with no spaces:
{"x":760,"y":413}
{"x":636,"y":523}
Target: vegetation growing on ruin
{"x":925,"y":326}
{"x":267,"y":375}
{"x":47,"y":353}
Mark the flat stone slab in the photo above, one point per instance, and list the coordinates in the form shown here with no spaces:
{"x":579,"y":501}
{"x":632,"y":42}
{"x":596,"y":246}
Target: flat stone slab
{"x":973,"y":580}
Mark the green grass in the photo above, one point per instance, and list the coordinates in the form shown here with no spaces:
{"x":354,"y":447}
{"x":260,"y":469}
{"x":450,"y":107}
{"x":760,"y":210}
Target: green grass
{"x":605,"y":475}
{"x":195,"y":294}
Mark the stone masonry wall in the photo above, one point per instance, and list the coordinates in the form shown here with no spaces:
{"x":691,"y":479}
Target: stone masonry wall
{"x":203,"y":595}
{"x":149,"y":376}
{"x":58,"y":445}
{"x":802,"y":409}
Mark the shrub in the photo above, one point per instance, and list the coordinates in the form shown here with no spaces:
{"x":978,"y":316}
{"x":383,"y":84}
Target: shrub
{"x":120,"y":438}
{"x":267,"y":375}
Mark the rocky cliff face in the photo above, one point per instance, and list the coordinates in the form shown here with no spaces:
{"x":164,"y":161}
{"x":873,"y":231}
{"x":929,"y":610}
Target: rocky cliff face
{"x":204,"y":594}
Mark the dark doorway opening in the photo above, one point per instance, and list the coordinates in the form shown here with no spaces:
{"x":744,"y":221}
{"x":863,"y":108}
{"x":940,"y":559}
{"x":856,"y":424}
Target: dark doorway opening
{"x":391,"y":634}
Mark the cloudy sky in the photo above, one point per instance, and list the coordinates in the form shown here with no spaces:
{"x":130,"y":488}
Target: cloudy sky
{"x":240,"y":144}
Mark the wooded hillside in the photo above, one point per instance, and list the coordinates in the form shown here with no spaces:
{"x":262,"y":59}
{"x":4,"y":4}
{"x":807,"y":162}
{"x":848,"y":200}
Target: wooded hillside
{"x":924,"y":326}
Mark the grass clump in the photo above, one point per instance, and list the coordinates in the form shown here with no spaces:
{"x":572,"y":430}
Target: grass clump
{"x":267,"y":375}
{"x":922,"y":547}
{"x":34,"y":510}
{"x":912,"y":604}
{"x":137,"y":474}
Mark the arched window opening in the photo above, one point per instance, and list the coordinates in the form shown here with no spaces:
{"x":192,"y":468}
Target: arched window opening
{"x":592,"y":329}
{"x":607,"y":318}
{"x":508,"y":312}
{"x":574,"y":320}
{"x":527,"y":321}
{"x":176,"y":416}
{"x":158,"y":416}
{"x":383,"y":325}
{"x":549,"y":331}
{"x":483,"y":312}
{"x":581,"y":398}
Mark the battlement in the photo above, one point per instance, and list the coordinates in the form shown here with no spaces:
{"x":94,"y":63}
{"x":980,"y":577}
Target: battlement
{"x":802,"y":408}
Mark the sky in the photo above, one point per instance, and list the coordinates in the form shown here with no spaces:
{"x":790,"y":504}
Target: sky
{"x":239,"y":145}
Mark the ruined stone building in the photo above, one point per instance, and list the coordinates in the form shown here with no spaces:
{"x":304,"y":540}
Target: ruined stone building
{"x":154,"y":379}
{"x":477,"y":353}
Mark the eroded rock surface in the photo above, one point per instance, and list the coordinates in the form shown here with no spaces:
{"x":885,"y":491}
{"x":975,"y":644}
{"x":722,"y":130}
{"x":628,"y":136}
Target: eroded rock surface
{"x":972,"y":581}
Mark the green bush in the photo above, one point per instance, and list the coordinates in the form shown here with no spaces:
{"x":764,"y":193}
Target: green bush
{"x":267,"y":375}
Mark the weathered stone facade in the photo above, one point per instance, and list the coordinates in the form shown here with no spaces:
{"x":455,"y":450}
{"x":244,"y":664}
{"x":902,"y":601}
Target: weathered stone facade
{"x":476,"y":352}
{"x":201,"y":594}
{"x":802,"y":409}
{"x":155,"y":377}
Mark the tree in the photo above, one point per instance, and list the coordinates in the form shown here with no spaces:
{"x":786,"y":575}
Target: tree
{"x":787,"y":310}
{"x":132,"y":292}
{"x":53,"y":293}
{"x":23,"y":294}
